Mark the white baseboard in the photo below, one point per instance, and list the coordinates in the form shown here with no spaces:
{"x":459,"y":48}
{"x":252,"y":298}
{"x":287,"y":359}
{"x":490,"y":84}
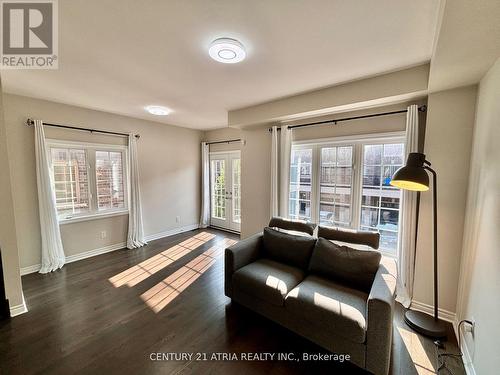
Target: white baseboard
{"x":171,"y":232}
{"x":445,"y":315}
{"x":18,"y":309}
{"x":73,"y":258}
{"x":466,"y":357}
{"x":93,"y":253}
{"x":107,"y":249}
{"x":30,"y":269}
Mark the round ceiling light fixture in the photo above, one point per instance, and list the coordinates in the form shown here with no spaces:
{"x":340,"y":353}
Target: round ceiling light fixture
{"x":227,"y":51}
{"x":158,"y":110}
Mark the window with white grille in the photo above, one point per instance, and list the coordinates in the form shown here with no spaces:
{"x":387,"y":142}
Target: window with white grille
{"x":346,"y":183}
{"x":88,"y":179}
{"x":109,"y":178}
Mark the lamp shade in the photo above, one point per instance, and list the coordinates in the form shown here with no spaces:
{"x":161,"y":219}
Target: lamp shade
{"x":413,"y":175}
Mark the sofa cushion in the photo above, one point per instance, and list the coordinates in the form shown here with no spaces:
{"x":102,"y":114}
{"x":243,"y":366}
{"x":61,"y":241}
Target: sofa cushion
{"x":359,"y":237}
{"x":351,"y":267}
{"x":294,"y":250}
{"x":292,"y":225}
{"x":339,"y":309}
{"x":267,"y":280}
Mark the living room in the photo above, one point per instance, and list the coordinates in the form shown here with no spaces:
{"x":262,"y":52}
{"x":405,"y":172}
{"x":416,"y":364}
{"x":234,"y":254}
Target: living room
{"x":216,"y":186}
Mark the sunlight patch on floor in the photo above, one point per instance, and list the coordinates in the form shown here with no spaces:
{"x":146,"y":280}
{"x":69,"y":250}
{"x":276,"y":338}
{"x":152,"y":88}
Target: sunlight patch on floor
{"x":160,"y":295}
{"x":420,"y":358}
{"x":134,"y":275}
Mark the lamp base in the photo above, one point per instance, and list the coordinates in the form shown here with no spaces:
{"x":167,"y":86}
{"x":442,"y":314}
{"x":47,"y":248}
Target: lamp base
{"x":425,"y":324}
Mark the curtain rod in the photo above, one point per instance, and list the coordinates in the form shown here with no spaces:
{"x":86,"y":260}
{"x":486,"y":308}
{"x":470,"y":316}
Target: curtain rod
{"x":31,"y":122}
{"x":335,"y":121}
{"x":228,"y":141}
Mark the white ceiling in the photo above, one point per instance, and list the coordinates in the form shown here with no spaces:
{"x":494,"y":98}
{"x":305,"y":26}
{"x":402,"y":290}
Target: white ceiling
{"x":119,"y":56}
{"x":468,"y":43}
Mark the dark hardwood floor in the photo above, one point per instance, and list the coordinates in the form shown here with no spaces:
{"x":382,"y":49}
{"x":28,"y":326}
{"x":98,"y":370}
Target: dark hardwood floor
{"x":109,"y":314}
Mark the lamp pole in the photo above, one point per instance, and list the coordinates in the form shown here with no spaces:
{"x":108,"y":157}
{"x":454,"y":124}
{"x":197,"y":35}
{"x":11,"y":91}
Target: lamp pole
{"x":415,"y":176}
{"x":434,"y":203}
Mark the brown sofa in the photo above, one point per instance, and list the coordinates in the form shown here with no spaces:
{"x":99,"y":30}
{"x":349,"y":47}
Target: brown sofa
{"x":338,"y":297}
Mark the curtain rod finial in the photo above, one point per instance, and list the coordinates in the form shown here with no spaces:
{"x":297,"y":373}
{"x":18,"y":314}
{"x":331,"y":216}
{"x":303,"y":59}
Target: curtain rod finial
{"x":29,"y":121}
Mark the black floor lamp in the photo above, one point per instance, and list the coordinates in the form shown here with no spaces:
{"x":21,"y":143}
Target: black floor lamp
{"x":413,"y":176}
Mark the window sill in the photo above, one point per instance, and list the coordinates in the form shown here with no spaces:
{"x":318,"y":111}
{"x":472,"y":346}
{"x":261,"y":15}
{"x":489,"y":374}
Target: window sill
{"x":103,"y":215}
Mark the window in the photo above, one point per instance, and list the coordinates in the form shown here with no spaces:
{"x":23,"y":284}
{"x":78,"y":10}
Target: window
{"x":379,"y":200}
{"x":347,"y":184}
{"x":299,"y":206}
{"x":71,"y":183}
{"x":109,"y":177}
{"x":88,"y":179}
{"x":335,"y":186}
{"x":236,"y":190}
{"x":219,"y":189}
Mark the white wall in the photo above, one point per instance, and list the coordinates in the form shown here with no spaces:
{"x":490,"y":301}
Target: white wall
{"x":223,"y":134}
{"x":403,"y":85}
{"x":450,"y":120}
{"x":169,"y":162}
{"x":479,"y":292}
{"x":8,"y":242}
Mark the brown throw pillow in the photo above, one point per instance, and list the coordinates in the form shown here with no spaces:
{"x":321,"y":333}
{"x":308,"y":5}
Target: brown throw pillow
{"x":350,"y":267}
{"x":288,"y":248}
{"x":292,"y":225}
{"x":371,"y":239}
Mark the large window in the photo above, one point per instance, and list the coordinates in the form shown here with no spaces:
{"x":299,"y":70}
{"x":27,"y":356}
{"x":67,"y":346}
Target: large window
{"x":88,"y":179}
{"x":347,"y":184}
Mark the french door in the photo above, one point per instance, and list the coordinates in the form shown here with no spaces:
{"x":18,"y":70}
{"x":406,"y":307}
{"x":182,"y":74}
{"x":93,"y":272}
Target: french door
{"x":225,"y":192}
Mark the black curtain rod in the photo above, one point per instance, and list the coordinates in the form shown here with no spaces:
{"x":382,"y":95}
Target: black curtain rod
{"x":31,"y":122}
{"x":335,"y":121}
{"x":228,"y":141}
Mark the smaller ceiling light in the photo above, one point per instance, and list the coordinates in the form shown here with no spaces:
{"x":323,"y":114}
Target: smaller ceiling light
{"x":158,"y":110}
{"x":227,"y":51}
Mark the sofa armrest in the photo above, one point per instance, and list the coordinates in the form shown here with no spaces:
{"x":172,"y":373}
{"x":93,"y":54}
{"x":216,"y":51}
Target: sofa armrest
{"x":380,"y":310}
{"x":239,"y":255}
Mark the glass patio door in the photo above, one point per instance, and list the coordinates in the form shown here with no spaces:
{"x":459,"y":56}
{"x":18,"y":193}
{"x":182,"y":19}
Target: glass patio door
{"x":225,"y":192}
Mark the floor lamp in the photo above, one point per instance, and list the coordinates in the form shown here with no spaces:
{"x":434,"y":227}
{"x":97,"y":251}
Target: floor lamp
{"x":413,"y":176}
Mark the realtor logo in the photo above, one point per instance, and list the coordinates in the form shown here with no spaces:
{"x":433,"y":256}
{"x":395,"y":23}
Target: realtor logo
{"x":29,"y":34}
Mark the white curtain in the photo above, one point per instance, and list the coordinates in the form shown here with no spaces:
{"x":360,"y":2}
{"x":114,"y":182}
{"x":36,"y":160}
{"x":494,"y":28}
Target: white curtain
{"x":274,"y":172}
{"x":205,"y":186}
{"x":135,"y":236}
{"x":284,"y":165}
{"x":406,"y":258}
{"x":52,"y":249}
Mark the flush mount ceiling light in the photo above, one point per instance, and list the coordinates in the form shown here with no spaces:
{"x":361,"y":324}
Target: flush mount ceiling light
{"x":227,"y":51}
{"x":158,"y":110}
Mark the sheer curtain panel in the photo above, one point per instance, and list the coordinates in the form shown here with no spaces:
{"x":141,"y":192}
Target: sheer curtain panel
{"x":135,"y":237}
{"x":52,"y":249}
{"x":406,"y":257}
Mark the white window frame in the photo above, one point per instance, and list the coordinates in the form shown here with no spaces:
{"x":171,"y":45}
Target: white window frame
{"x":357,"y":142}
{"x":313,"y":178}
{"x":90,"y":152}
